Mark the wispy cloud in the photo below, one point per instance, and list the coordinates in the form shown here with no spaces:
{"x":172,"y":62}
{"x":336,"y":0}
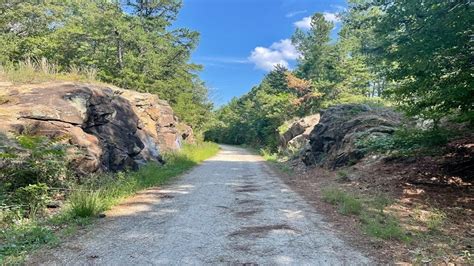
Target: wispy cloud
{"x":305,"y":23}
{"x":279,"y":53}
{"x":294,"y":13}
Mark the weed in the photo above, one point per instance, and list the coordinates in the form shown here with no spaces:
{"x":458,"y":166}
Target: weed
{"x":19,"y":239}
{"x":34,"y":196}
{"x":348,"y":204}
{"x":383,"y":226}
{"x":435,"y":219}
{"x":408,"y":142}
{"x":342,"y":176}
{"x":379,"y":202}
{"x":84,"y":203}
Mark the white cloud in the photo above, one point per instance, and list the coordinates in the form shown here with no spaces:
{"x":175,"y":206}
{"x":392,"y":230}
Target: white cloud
{"x":333,"y":17}
{"x":305,"y":23}
{"x":279,"y":53}
{"x":294,"y":13}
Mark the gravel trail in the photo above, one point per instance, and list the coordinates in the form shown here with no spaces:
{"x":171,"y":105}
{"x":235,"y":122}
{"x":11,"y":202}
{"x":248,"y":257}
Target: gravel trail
{"x":232,"y":209}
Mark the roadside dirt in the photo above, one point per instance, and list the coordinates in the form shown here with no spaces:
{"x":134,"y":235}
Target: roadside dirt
{"x":232,"y":209}
{"x":419,"y":188}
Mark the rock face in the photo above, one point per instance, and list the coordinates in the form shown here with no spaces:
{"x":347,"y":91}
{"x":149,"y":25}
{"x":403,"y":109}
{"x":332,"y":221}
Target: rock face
{"x":108,"y":128}
{"x":297,"y":135}
{"x":332,"y":143}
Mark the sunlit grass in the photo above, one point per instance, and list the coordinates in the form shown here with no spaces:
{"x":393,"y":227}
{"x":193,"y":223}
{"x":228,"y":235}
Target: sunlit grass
{"x":33,"y":70}
{"x":88,"y":200}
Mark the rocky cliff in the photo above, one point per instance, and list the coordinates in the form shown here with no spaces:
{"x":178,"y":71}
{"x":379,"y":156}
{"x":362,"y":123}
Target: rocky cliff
{"x":296,"y":137}
{"x":108,"y":128}
{"x":333,"y":141}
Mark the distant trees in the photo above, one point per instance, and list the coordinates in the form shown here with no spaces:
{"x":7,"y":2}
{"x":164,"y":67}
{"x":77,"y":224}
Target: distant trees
{"x":417,"y":54}
{"x":128,"y":42}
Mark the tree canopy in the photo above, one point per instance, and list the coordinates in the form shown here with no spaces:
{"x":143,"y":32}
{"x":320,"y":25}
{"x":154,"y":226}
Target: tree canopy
{"x":416,"y":55}
{"x":129,"y":43}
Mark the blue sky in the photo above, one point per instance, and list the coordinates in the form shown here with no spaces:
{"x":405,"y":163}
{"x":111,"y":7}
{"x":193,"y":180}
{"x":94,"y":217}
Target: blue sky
{"x":242,"y":39}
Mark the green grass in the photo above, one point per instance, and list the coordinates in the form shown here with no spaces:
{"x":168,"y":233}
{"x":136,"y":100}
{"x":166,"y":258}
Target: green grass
{"x":374,"y":221}
{"x":90,"y":199}
{"x":20,"y":239}
{"x":347,"y":203}
{"x":383,"y":226}
{"x":84,"y":203}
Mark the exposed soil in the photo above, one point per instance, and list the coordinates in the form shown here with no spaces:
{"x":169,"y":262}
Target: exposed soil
{"x":419,"y":187}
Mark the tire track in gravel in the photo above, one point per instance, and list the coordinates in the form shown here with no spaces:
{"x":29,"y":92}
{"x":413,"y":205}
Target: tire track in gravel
{"x":232,"y":209}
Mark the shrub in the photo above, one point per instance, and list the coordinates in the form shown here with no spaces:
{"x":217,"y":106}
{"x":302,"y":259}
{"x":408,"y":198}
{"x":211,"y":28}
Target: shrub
{"x":408,"y":142}
{"x":343,"y":176}
{"x":35,"y":197}
{"x":31,"y":160}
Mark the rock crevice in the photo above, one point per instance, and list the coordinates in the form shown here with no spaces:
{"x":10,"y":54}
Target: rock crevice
{"x":108,"y":128}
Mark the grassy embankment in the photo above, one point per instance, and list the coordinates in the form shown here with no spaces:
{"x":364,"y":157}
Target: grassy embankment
{"x":87,"y":200}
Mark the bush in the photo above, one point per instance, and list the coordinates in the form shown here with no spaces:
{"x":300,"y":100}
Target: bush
{"x":32,"y":160}
{"x":35,"y":197}
{"x":408,"y":142}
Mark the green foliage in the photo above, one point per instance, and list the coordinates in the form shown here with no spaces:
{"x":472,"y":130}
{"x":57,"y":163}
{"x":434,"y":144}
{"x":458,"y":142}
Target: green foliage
{"x":254,"y":118}
{"x":408,"y":142}
{"x":106,"y":191}
{"x":348,"y":204}
{"x":85,"y":203}
{"x":436,"y":219}
{"x":17,"y":240}
{"x":428,"y":47}
{"x":343,"y":176}
{"x":19,"y":236}
{"x":35,"y":196}
{"x":376,"y":223}
{"x":401,"y":53}
{"x":383,"y":226}
{"x":129,"y":44}
{"x":33,"y":160}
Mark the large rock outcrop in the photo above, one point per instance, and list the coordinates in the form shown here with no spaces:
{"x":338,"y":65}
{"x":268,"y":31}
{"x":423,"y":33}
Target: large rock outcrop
{"x":333,"y":141}
{"x":296,"y":137}
{"x":108,"y":128}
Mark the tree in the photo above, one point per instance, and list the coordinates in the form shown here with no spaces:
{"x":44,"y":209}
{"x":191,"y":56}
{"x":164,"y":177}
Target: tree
{"x":428,"y":46}
{"x":318,"y":55}
{"x":129,"y":44}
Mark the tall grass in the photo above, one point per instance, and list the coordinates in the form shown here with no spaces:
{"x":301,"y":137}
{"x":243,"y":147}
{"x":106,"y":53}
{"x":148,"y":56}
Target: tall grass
{"x":41,"y":70}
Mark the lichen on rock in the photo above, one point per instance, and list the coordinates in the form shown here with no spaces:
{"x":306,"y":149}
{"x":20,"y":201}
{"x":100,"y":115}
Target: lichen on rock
{"x":333,"y":141}
{"x":108,"y":128}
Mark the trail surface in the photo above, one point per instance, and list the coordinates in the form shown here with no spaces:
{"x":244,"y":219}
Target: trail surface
{"x":232,"y":209}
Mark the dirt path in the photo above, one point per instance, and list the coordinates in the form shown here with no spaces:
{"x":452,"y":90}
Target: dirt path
{"x":232,"y":209}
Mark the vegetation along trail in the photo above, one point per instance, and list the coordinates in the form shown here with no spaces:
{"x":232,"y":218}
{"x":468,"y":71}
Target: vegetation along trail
{"x":230,"y":209}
